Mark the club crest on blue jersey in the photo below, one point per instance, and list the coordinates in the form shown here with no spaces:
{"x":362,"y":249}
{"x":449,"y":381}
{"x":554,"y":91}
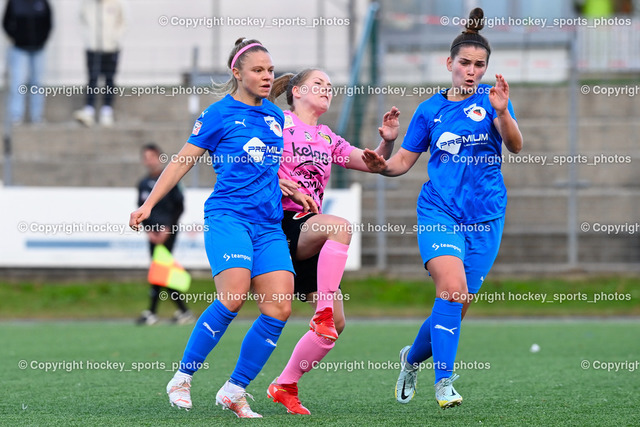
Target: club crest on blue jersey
{"x":475,"y":112}
{"x":273,"y":125}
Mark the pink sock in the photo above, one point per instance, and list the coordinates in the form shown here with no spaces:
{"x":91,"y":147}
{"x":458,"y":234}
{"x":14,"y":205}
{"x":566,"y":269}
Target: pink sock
{"x":333,"y":258}
{"x":310,"y":349}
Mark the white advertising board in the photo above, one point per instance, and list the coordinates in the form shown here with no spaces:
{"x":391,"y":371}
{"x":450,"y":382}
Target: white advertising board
{"x":88,"y":227}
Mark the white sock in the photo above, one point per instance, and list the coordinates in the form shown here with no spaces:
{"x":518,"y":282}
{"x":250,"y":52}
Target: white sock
{"x":179,"y":374}
{"x":232,"y":388}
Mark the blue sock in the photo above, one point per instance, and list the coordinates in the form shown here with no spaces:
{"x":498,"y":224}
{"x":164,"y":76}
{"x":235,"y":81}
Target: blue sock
{"x":257,"y":346}
{"x":205,"y":335}
{"x":446,"y":317}
{"x":421,"y":348}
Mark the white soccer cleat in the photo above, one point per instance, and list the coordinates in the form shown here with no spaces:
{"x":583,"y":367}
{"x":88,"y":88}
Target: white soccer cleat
{"x":184,"y":318}
{"x":407,"y":380}
{"x":236,"y":402}
{"x":147,"y":318}
{"x":179,"y":390}
{"x":446,"y":395}
{"x":106,"y":116}
{"x":85,"y":115}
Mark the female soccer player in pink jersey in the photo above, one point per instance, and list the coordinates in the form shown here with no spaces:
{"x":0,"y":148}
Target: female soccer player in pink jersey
{"x":318,"y":243}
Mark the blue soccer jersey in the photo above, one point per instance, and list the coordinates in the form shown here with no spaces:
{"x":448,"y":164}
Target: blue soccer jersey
{"x":465,"y":177}
{"x":245,"y":145}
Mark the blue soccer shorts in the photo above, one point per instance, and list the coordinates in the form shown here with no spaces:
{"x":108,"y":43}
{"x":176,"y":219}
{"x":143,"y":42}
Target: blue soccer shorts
{"x":476,"y":245}
{"x":233,"y":242}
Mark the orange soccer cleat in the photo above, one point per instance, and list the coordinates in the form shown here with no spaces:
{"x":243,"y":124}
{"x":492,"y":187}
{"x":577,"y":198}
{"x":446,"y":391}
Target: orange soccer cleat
{"x":287,"y":394}
{"x":322,"y":324}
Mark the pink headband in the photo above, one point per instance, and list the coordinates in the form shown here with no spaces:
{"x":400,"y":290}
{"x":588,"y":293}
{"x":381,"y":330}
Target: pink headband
{"x":241,"y":51}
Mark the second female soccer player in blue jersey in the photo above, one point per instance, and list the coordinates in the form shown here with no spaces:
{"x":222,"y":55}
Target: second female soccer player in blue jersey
{"x":461,"y":208}
{"x":245,"y":244}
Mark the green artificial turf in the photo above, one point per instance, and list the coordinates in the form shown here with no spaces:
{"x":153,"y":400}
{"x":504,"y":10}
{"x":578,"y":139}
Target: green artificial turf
{"x":502,"y":382}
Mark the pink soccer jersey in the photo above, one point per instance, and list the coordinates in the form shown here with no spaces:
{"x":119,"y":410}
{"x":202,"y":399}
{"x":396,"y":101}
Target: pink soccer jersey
{"x":308,"y":154}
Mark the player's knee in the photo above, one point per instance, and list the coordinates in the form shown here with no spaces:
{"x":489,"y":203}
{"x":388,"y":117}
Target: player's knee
{"x":280,"y":311}
{"x":457,"y":296}
{"x":342,"y":231}
{"x":286,"y":311}
{"x":453,"y":290}
{"x":233,"y":305}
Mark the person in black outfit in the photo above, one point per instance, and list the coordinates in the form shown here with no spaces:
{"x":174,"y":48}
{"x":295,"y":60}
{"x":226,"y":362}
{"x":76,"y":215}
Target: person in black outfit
{"x":160,"y":227}
{"x":28,"y":25}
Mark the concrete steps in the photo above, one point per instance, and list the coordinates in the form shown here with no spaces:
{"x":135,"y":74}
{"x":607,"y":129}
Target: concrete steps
{"x":68,"y":154}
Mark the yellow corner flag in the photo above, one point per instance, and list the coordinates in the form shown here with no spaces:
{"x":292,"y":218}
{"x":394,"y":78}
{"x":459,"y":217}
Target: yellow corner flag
{"x":165,"y":271}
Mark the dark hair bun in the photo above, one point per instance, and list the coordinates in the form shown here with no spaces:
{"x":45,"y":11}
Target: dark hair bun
{"x":240,"y":40}
{"x":476,"y":21}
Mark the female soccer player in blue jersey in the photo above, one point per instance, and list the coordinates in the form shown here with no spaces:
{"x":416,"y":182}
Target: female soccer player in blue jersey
{"x":244,"y":241}
{"x":461,"y":208}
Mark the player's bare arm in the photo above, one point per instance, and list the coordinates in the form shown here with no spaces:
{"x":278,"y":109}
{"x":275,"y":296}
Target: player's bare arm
{"x":506,"y":125}
{"x":172,"y":174}
{"x":397,"y":165}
